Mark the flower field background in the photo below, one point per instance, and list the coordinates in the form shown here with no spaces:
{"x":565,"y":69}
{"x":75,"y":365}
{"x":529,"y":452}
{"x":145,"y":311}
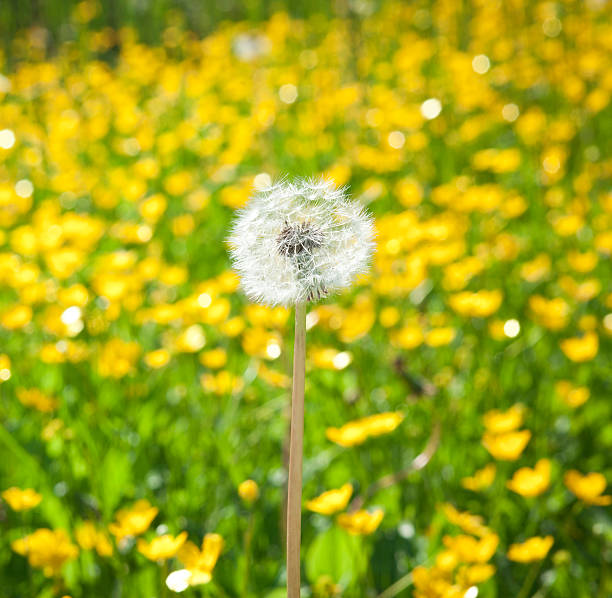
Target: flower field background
{"x":458,"y":401}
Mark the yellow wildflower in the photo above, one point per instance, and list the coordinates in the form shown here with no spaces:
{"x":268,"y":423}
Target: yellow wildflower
{"x":498,"y":422}
{"x":507,"y":446}
{"x":359,"y":430}
{"x":581,"y":349}
{"x":476,"y":305}
{"x":200,"y":563}
{"x":332,"y":501}
{"x":471,"y":550}
{"x":534,"y":549}
{"x":163,"y":547}
{"x":133,"y":521}
{"x":21,"y":500}
{"x":573,"y":396}
{"x":117,"y":358}
{"x":214,"y":359}
{"x":157,"y":359}
{"x":46,"y":549}
{"x":32,"y":397}
{"x":588,"y":487}
{"x":248,"y":491}
{"x":89,"y":538}
{"x":361,"y":522}
{"x":471,"y":524}
{"x":531,"y":482}
{"x":481,"y":479}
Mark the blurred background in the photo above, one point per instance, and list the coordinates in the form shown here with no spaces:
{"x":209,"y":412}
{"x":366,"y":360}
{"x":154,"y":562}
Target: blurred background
{"x":458,"y":424}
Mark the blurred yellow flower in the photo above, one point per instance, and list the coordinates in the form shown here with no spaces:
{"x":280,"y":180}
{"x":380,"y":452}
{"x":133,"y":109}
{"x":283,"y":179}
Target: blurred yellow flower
{"x":581,"y":349}
{"x":162,"y":547}
{"x":507,"y":446}
{"x":552,"y":314}
{"x":47,"y":550}
{"x":33,"y":397}
{"x":248,"y":491}
{"x":471,"y":524}
{"x":21,"y":500}
{"x":16,"y":317}
{"x":531,"y":482}
{"x":470,"y":550}
{"x":438,"y":337}
{"x":272,"y":377}
{"x":328,"y":358}
{"x":361,"y":523}
{"x":214,"y":359}
{"x":498,"y":422}
{"x":89,"y":538}
{"x":588,"y":487}
{"x":359,"y":430}
{"x":533,"y":549}
{"x":157,"y":359}
{"x":200,"y":563}
{"x":573,"y":396}
{"x":332,"y":501}
{"x":476,"y":305}
{"x":117,"y":358}
{"x":481,"y":479}
{"x":133,"y":521}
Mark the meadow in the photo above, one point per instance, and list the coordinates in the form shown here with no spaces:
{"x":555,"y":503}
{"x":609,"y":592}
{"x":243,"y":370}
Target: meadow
{"x":458,"y":425}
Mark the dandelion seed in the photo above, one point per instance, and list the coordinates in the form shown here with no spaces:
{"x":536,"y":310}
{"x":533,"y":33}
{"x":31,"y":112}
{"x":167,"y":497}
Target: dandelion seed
{"x":300,"y":241}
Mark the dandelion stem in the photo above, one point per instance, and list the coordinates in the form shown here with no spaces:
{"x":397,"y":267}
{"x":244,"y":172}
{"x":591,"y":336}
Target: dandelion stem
{"x":294,"y":492}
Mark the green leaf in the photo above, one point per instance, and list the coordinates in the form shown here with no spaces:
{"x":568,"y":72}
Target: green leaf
{"x":337,"y":554}
{"x":115,"y":477}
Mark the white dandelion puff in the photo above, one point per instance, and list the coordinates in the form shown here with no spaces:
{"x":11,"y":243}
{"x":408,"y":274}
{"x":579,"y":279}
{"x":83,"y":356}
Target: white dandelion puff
{"x":299,"y":241}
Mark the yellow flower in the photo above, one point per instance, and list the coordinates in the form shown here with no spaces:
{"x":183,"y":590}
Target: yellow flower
{"x":531,"y":482}
{"x":200,"y":563}
{"x":498,"y":422}
{"x":117,"y":358}
{"x":476,"y":305}
{"x":534,"y":549}
{"x":507,"y":446}
{"x":5,"y":368}
{"x":362,"y":522}
{"x":474,"y":574}
{"x":133,"y":521}
{"x":328,"y":358}
{"x":552,"y":314}
{"x":32,"y":397}
{"x":16,"y":317}
{"x":438,"y":337}
{"x":358,"y":431}
{"x":248,"y":491}
{"x":273,"y":377}
{"x":471,"y":524}
{"x":214,"y":359}
{"x":21,"y":500}
{"x":46,"y":549}
{"x":332,"y":501}
{"x":163,"y":547}
{"x":408,"y":337}
{"x":157,"y":359}
{"x":588,"y":487}
{"x":88,"y":538}
{"x":581,"y":349}
{"x":481,"y":479}
{"x":471,"y":550}
{"x":573,"y":396}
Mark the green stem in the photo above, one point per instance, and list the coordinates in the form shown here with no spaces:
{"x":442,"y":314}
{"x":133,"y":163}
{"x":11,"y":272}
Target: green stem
{"x":294,"y":492}
{"x":248,"y":538}
{"x":530,"y":579}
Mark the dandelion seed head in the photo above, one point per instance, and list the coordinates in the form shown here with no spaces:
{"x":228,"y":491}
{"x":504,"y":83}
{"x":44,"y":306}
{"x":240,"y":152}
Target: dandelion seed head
{"x":299,"y":241}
